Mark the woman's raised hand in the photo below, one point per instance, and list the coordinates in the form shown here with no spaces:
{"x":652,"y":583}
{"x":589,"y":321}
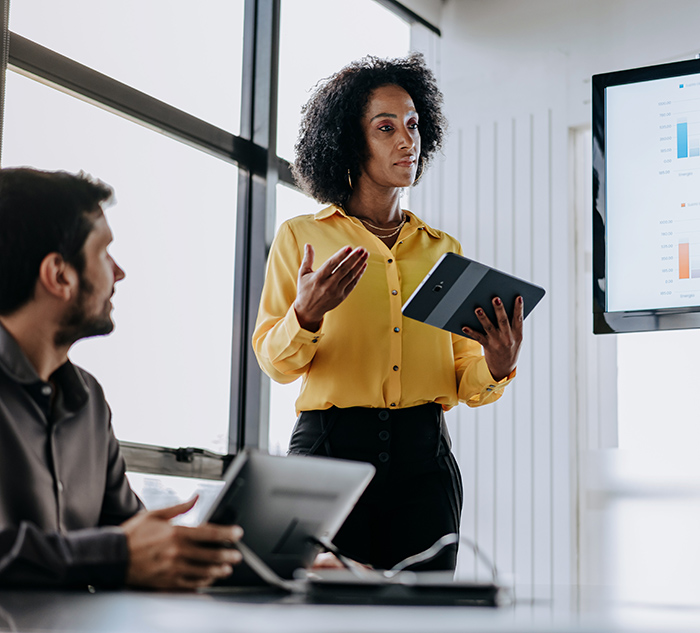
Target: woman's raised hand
{"x":501,"y":342}
{"x":325,"y":289}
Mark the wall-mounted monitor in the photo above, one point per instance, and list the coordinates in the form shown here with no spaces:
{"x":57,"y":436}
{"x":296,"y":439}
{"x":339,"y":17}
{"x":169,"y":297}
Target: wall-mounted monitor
{"x":646,"y":198}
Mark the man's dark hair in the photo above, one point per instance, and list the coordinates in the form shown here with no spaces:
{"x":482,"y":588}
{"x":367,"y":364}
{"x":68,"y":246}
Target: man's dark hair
{"x":40,"y":213}
{"x":331,"y":139}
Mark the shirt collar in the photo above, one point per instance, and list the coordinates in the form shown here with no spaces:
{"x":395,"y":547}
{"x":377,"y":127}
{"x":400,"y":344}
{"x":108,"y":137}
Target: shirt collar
{"x":414,"y":220}
{"x":16,"y":365}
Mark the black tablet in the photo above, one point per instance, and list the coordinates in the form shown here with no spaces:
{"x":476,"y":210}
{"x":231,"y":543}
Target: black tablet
{"x":456,"y":286}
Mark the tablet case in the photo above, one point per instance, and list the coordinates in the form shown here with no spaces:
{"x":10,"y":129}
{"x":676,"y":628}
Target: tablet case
{"x":456,"y":286}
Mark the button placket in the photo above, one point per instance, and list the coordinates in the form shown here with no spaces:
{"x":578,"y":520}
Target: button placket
{"x":393,"y":386}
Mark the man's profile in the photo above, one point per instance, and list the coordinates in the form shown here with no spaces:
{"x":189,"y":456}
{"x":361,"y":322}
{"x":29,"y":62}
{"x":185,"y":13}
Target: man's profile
{"x":68,"y":516}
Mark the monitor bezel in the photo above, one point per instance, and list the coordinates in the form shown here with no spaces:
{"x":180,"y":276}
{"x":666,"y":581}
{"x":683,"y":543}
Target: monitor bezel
{"x":605,"y":322}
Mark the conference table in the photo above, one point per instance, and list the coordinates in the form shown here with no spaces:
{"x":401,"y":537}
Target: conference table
{"x":264,"y":611}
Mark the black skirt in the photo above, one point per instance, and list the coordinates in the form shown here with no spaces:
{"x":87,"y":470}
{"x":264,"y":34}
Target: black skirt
{"x":416,"y":494}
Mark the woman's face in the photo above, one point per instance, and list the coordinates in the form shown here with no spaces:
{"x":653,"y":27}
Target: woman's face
{"x":390,"y":124}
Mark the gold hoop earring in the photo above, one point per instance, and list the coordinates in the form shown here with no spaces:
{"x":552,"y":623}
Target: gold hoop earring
{"x":419,"y":171}
{"x":349,"y":179}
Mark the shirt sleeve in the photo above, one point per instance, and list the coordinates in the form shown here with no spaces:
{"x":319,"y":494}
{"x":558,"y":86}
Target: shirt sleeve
{"x":32,"y":558}
{"x":283,"y":348}
{"x":120,"y":501}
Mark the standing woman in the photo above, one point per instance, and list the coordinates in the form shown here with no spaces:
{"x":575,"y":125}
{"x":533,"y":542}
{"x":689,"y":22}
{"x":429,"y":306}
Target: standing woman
{"x":374,"y":383}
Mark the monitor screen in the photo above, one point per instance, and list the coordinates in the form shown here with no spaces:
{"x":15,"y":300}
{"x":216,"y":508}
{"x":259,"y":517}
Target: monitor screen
{"x":646,"y":198}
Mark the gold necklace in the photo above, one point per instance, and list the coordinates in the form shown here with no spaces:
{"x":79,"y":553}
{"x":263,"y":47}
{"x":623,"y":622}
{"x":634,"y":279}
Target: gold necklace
{"x":393,"y":230}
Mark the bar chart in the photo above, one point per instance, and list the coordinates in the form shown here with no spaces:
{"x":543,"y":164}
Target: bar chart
{"x":652,"y":182}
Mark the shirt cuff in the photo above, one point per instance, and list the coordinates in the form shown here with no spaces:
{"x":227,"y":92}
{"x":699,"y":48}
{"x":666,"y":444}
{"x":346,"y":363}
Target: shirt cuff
{"x":97,"y":557}
{"x":298,"y":334}
{"x":492,"y":389}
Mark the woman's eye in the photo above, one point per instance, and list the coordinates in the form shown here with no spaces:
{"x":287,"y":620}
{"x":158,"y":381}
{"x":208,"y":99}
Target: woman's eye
{"x":413,"y":126}
{"x":386,"y":128}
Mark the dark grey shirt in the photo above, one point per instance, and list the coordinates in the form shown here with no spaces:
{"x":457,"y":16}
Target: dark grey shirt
{"x":62,"y":481}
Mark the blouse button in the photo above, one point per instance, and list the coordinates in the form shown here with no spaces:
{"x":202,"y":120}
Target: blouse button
{"x":389,"y":261}
{"x":394,"y":292}
{"x":396,"y":368}
{"x":397,"y":329}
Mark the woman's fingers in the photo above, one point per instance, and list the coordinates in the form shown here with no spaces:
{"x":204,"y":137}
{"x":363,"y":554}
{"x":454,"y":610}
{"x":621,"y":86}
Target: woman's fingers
{"x":321,"y":291}
{"x":501,"y":340}
{"x":501,"y":316}
{"x":308,"y":261}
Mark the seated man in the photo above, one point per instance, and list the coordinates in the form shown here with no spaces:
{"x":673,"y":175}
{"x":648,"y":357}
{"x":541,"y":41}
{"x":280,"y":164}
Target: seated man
{"x":67,"y":514}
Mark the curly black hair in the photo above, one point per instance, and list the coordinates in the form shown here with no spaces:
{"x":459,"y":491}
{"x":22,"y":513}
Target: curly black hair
{"x":331,"y":140}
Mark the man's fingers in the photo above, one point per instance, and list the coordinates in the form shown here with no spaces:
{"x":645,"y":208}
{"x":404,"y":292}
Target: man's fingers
{"x":173,"y":511}
{"x":210,"y":533}
{"x":201,"y":555}
{"x":190,"y":575}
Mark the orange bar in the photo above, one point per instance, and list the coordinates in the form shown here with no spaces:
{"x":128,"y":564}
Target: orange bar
{"x":684,"y":260}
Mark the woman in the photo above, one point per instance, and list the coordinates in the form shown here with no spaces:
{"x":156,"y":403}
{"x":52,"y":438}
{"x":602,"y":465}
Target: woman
{"x":375,"y":384}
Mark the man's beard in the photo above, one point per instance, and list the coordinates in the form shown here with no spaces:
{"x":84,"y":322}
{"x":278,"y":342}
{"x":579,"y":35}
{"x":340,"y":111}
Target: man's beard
{"x":76,"y":324}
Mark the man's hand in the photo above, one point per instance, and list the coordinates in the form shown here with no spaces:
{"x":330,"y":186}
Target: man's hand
{"x":167,"y":556}
{"x":321,"y":291}
{"x":501,"y":342}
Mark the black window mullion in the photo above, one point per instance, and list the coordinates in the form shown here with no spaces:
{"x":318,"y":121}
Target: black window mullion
{"x":256,"y":209}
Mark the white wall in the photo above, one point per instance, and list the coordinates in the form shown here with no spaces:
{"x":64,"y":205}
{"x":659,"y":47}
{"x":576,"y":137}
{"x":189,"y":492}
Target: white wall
{"x":516,"y":79}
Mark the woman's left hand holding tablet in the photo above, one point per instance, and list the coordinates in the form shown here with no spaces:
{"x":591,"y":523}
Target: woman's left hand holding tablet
{"x":501,"y":342}
{"x":326,"y":288}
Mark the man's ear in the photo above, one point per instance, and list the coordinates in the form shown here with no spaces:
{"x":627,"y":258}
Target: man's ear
{"x":57,"y":277}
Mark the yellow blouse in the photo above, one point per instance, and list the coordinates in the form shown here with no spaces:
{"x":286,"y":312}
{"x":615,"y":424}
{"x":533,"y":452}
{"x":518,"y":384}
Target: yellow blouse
{"x":366,"y":354}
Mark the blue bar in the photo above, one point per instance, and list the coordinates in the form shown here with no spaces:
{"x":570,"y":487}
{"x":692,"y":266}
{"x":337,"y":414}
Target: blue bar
{"x":694,"y":146}
{"x":682,"y":135}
